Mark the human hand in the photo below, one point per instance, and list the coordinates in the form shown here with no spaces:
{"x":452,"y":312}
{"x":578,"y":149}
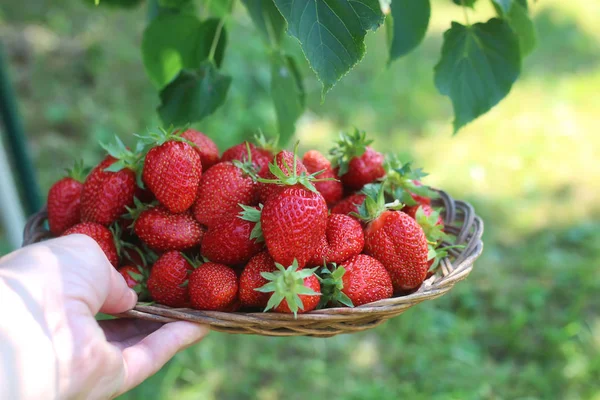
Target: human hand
{"x":50,"y":344}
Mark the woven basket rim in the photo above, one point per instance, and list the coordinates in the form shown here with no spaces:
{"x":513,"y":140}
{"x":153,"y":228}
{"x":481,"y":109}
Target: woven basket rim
{"x":460,"y":220}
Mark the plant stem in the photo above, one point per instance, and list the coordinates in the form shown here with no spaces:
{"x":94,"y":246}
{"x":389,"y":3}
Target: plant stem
{"x":215,"y":42}
{"x":466,"y":14}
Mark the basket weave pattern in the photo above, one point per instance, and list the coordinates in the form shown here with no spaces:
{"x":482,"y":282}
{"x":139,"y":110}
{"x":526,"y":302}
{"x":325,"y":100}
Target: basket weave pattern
{"x":460,"y":221}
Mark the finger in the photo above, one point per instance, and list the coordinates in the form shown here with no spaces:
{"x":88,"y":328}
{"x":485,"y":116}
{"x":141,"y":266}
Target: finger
{"x":122,"y":329}
{"x":120,"y":297}
{"x":148,"y":356}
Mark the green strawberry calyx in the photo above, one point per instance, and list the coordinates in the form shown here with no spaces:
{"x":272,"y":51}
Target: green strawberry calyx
{"x":434,"y":232}
{"x":331,"y":287}
{"x":287,"y":283}
{"x":437,"y":254}
{"x":348,"y":146}
{"x":252,"y":214}
{"x":271,"y":145}
{"x":140,"y":277}
{"x":133,"y":213}
{"x":401,"y":181}
{"x":374,"y":204}
{"x":78,"y":171}
{"x":290,"y":177}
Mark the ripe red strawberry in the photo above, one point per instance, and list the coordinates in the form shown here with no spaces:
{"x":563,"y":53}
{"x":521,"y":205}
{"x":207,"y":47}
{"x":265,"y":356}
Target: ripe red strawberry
{"x":349,"y":204}
{"x":343,"y":239}
{"x":332,"y":190}
{"x":206,"y":148}
{"x":232,"y":240}
{"x":286,"y":163}
{"x":293,"y":290}
{"x":221,"y":189}
{"x":358,"y":164}
{"x":260,"y":157}
{"x":106,"y":194}
{"x":132,"y":275}
{"x":64,"y":200}
{"x":251,"y":279}
{"x":213,"y":287}
{"x":359,"y":280}
{"x":396,"y":240}
{"x":172,"y":171}
{"x":293,"y":224}
{"x":164,"y":231}
{"x":101,"y":234}
{"x":166,"y":283}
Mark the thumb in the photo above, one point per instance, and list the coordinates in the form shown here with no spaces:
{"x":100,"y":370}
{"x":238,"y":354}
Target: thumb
{"x":91,"y":277}
{"x":120,"y":297}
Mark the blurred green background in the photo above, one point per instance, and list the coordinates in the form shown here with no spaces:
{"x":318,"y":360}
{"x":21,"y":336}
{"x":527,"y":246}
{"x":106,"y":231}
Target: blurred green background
{"x":525,"y":325}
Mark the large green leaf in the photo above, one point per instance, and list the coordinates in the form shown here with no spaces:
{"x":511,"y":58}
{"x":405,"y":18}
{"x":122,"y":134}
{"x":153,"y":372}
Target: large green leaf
{"x":478,"y":67}
{"x":173,"y":42}
{"x":193,"y":95}
{"x":288,"y":95}
{"x":410,"y":21}
{"x":522,"y":24}
{"x":331,"y":32}
{"x":267,"y":19}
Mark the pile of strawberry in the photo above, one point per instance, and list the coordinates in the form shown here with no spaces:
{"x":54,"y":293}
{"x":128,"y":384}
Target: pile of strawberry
{"x":254,"y":228}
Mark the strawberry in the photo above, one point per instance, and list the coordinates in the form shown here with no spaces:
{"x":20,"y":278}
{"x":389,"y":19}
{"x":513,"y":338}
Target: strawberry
{"x":205,"y":147}
{"x":285,"y":170}
{"x":260,"y":158}
{"x":172,"y":170}
{"x":233,"y":239}
{"x":359,"y":280}
{"x":101,"y":234}
{"x":107,"y":191}
{"x":164,"y":231}
{"x":213,"y":287}
{"x":293,"y":290}
{"x":343,"y":239}
{"x":331,"y":190}
{"x":357,"y":163}
{"x":221,"y":189}
{"x":420,"y":198}
{"x":251,"y":279}
{"x":349,"y":204}
{"x":64,"y":200}
{"x":166,"y":283}
{"x":396,"y":240}
{"x":293,"y":224}
{"x":132,"y":275}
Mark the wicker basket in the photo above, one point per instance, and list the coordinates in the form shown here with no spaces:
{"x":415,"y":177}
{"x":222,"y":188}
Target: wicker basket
{"x":460,"y":220}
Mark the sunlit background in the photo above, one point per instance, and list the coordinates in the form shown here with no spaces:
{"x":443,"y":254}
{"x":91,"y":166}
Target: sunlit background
{"x":525,"y":325}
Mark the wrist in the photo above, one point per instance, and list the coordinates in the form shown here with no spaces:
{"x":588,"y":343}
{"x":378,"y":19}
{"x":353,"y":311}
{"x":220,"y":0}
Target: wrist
{"x":28,"y":365}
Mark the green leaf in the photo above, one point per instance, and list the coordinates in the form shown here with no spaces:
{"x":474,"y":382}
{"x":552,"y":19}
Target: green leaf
{"x":177,"y":4}
{"x":193,"y":95}
{"x":288,"y":95}
{"x":331,"y":32}
{"x":218,"y":8}
{"x":410,"y":22}
{"x":522,"y":24}
{"x":478,"y":67}
{"x":267,"y":19}
{"x":173,"y":42}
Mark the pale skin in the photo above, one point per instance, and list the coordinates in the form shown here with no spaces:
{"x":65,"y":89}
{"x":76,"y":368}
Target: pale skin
{"x":51,"y":347}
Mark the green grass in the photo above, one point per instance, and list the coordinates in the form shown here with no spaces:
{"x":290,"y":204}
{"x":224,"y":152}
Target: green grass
{"x":525,"y":325}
